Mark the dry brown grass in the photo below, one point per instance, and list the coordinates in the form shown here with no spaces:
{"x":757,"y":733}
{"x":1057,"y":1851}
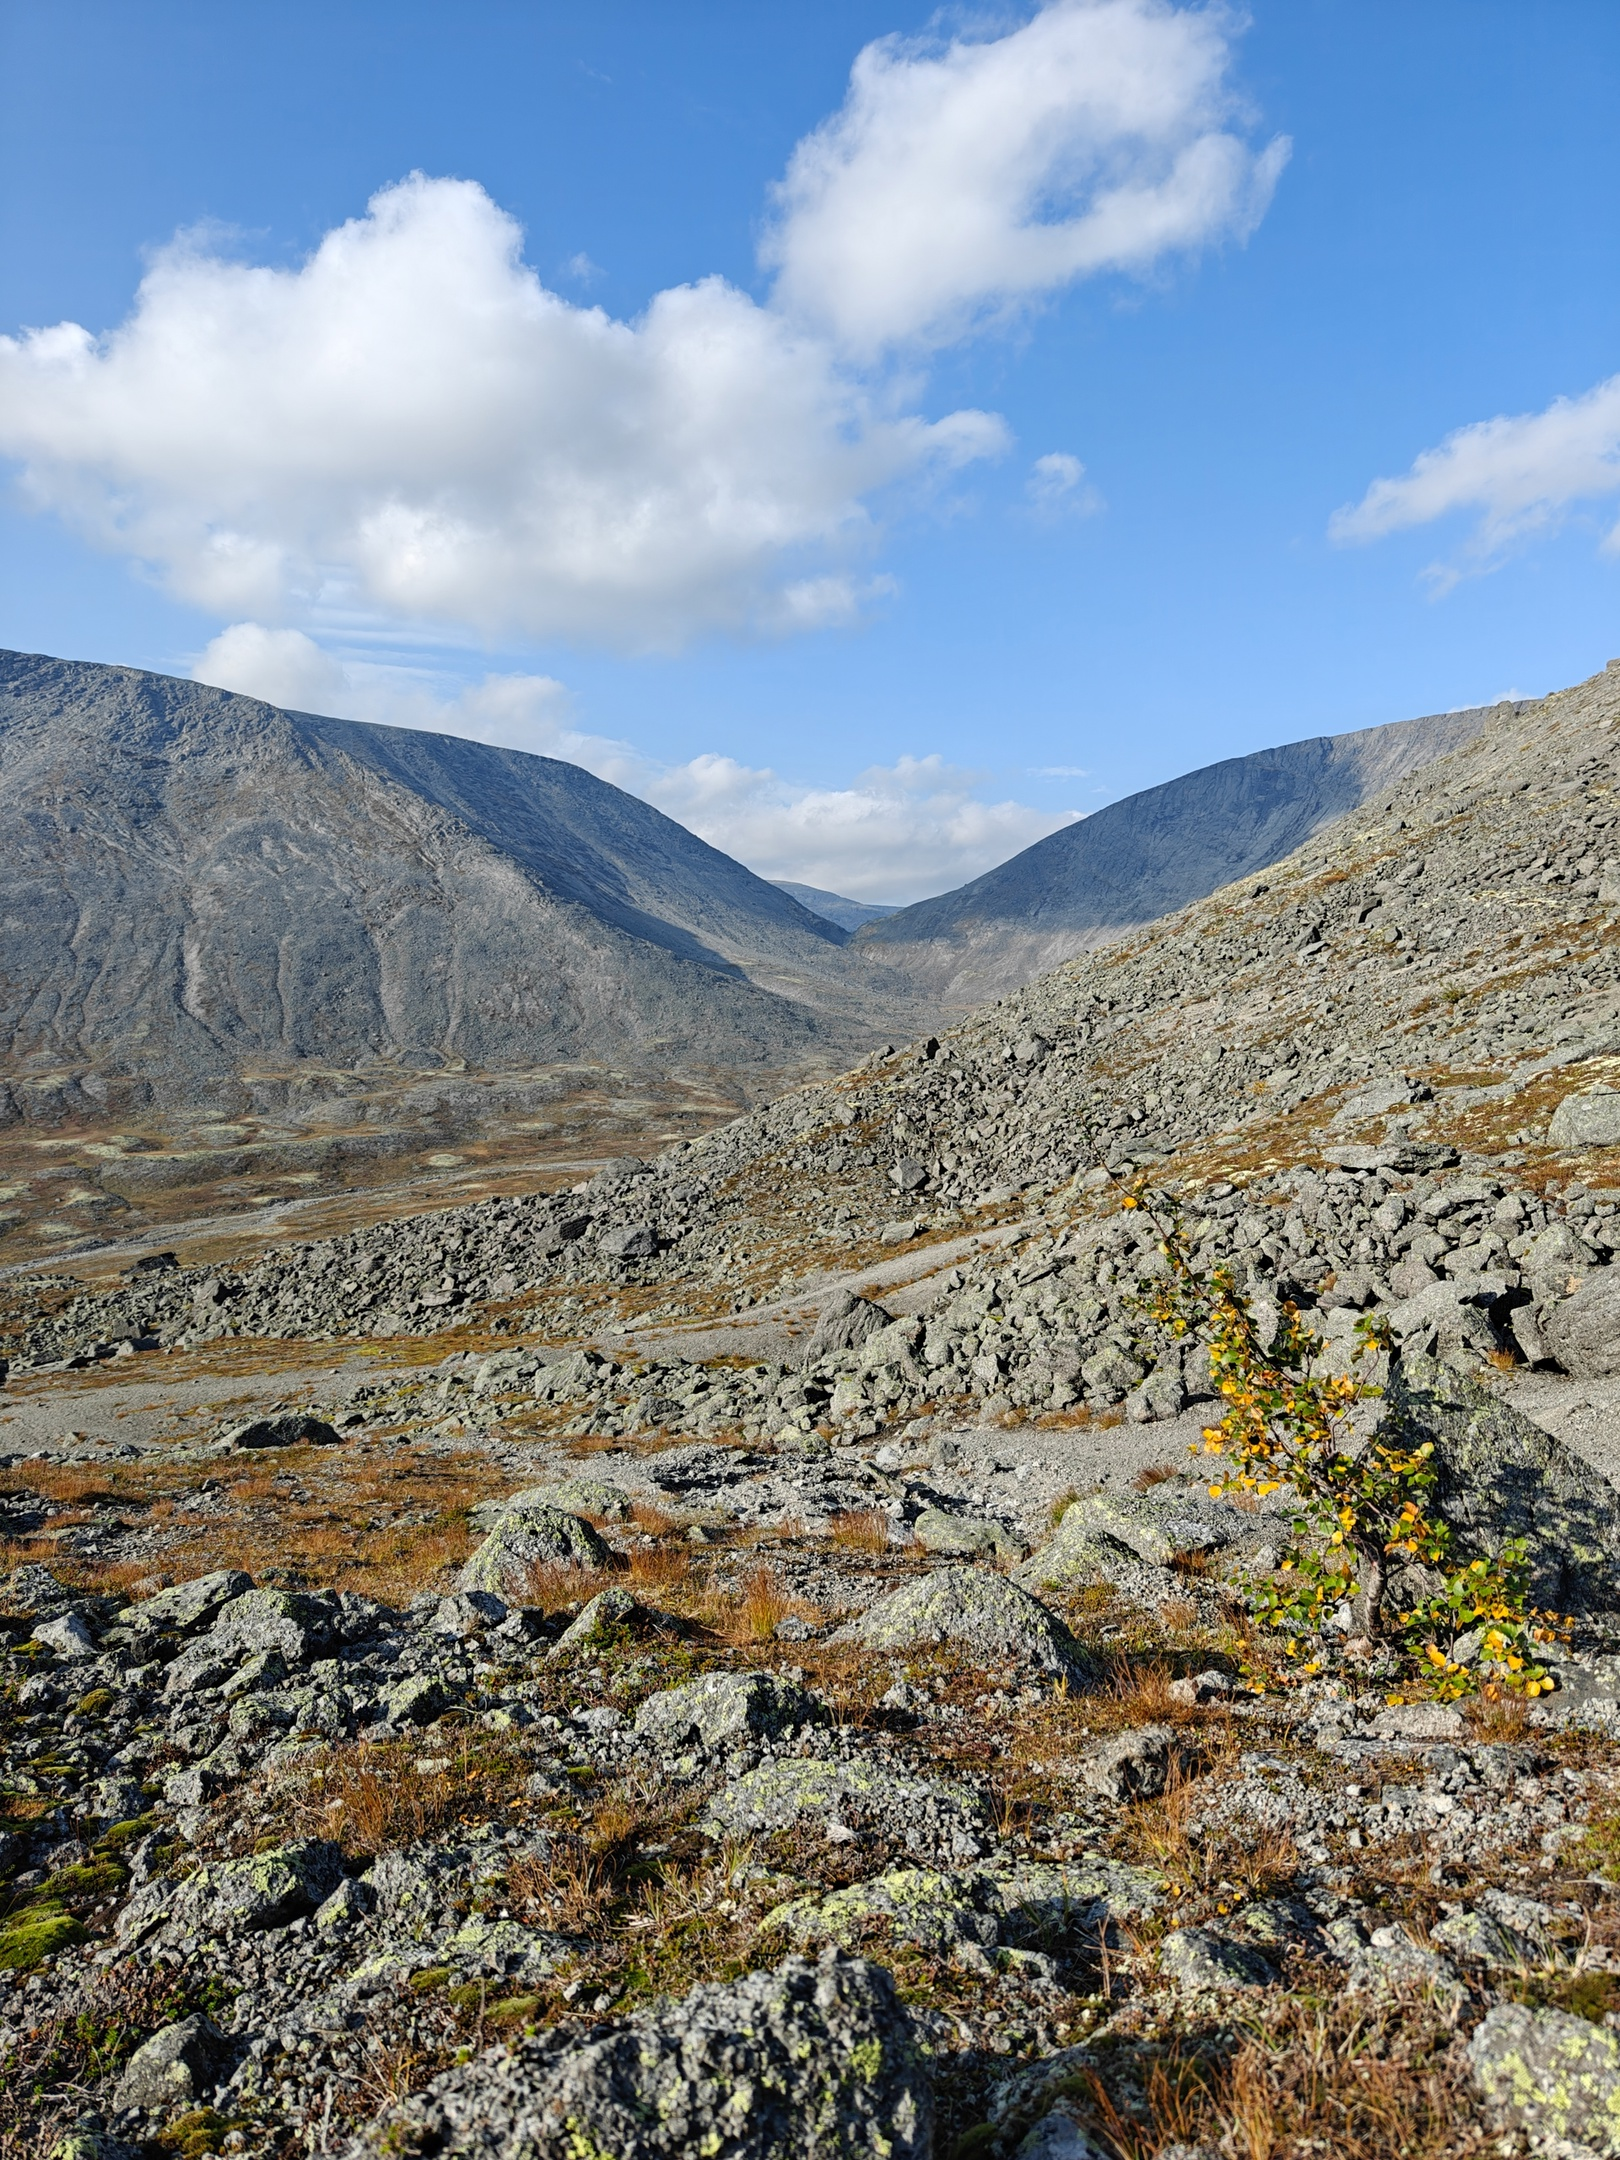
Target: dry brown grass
{"x":665,"y":1568}
{"x":586,"y":1873}
{"x":864,"y":1530}
{"x":551,"y":1586}
{"x":372,"y":1799}
{"x":349,"y":1518}
{"x":1152,"y":1474}
{"x":763,"y":1604}
{"x":654,"y":1520}
{"x":1311,"y":2073}
{"x":1506,"y":1718}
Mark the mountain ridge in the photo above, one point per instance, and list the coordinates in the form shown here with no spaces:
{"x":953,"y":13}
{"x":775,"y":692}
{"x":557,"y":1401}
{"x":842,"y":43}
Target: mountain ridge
{"x":1147,"y":855}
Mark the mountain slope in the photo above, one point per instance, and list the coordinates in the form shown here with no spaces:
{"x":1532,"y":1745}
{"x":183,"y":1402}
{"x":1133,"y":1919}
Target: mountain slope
{"x":1147,"y":855}
{"x":833,"y":907}
{"x":191,"y":880}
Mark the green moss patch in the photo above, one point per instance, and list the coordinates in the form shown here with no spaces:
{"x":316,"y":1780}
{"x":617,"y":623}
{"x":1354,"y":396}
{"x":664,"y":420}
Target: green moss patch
{"x":25,"y":1943}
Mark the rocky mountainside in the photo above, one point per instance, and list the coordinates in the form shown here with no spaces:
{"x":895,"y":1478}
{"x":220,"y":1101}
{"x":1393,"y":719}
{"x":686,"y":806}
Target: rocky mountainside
{"x":735,"y":1655}
{"x":192,"y":881}
{"x":1147,"y":855}
{"x":833,"y":907}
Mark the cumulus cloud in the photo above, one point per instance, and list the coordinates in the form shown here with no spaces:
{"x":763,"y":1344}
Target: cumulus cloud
{"x":411,"y":422}
{"x":1519,"y":474}
{"x":288,"y":668}
{"x":895,"y":833}
{"x":1057,"y":487}
{"x":960,"y":179}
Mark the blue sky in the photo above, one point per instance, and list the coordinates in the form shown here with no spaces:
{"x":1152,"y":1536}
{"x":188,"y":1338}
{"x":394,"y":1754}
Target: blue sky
{"x":987,"y":473}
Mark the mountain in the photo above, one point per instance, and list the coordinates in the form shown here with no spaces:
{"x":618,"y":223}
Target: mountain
{"x":192,"y":881}
{"x":833,"y":907}
{"x":871,"y":1380}
{"x":1147,"y":855}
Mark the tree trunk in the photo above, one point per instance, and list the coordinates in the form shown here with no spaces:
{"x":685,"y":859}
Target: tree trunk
{"x":1374,"y":1573}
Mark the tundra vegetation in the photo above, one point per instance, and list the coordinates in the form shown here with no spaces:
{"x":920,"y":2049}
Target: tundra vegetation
{"x":751,"y":1651}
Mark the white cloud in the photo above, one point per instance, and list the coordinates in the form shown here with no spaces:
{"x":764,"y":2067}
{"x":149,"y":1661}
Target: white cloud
{"x":896,"y":833}
{"x":1519,"y":474}
{"x":961,"y":179}
{"x":288,"y":668}
{"x":1057,"y":487}
{"x":412,"y":423}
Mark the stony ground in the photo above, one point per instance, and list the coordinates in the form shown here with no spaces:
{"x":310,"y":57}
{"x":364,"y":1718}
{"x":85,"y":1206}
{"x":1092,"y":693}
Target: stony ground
{"x":734,"y":1655}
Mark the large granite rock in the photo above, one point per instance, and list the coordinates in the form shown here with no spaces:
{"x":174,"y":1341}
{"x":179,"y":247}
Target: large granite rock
{"x":1502,"y":1476}
{"x":976,"y":1609}
{"x":813,"y":2059}
{"x":529,"y":1532}
{"x":1550,"y":2074}
{"x":1583,"y":1121}
{"x":1582,"y":1331}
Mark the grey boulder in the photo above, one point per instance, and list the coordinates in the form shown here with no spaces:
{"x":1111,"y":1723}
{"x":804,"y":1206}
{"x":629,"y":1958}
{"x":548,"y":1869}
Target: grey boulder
{"x":1203,"y":1960}
{"x":812,"y":2059}
{"x":530,"y":1532}
{"x":238,"y":1897}
{"x":845,"y":1324}
{"x":1502,"y":1476}
{"x":1552,"y":2075}
{"x":1582,"y":1331}
{"x":294,"y":1625}
{"x":725,"y":1706}
{"x":967,"y":1536}
{"x":1583,"y":1121}
{"x":1130,"y":1765}
{"x":295,"y":1428}
{"x":976,"y":1608}
{"x":68,"y":1635}
{"x":174,"y":2069}
{"x":186,"y":1607}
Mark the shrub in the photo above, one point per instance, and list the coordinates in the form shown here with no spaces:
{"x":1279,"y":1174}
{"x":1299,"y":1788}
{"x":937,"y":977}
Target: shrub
{"x":1359,"y":1514}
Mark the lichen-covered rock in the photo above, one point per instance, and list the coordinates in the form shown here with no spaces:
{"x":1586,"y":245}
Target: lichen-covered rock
{"x":1201,"y":1958}
{"x":938,"y":1910}
{"x":592,"y":1496}
{"x":945,"y":1909}
{"x":598,"y":1621}
{"x":1498,"y":1930}
{"x":780,"y":1793}
{"x":722,"y":1707}
{"x":530,"y":1532}
{"x":797,"y":2064}
{"x":1130,"y":1765}
{"x":977,"y":1609}
{"x":1502,"y":1476}
{"x":1550,"y":2074}
{"x":288,"y":1622}
{"x":415,"y":1700}
{"x":1075,"y":1553}
{"x":1155,"y":1530}
{"x":188,"y":1606}
{"x":970,"y":1536}
{"x":1049,"y":1897}
{"x":239,"y":1897}
{"x":174,"y":2069}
